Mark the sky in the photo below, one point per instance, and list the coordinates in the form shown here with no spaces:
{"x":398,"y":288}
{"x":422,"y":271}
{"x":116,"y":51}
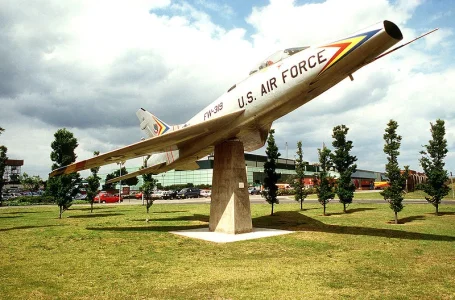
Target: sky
{"x":89,"y":65}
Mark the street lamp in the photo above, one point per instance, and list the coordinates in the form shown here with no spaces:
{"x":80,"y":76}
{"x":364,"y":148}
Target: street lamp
{"x":451,"y":178}
{"x":120,"y":182}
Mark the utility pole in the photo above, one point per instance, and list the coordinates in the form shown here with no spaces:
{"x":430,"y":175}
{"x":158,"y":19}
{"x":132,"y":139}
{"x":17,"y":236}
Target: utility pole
{"x":120,"y":182}
{"x":451,"y":178}
{"x":286,"y":145}
{"x":120,"y":185}
{"x":286,"y":150}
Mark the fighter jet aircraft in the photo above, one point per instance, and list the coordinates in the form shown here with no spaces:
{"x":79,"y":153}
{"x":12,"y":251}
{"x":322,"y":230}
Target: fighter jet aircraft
{"x":278,"y":85}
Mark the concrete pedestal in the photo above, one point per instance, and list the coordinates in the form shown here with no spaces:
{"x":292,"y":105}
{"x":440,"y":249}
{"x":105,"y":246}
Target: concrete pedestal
{"x":230,"y":206}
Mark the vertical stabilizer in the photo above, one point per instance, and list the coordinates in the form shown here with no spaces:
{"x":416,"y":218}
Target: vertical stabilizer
{"x":151,"y":125}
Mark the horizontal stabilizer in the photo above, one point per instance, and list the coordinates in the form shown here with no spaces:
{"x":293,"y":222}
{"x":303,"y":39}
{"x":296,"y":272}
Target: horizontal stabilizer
{"x":189,"y":167}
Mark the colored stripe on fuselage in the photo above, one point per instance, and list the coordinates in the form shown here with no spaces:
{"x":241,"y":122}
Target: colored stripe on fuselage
{"x":346,"y":46}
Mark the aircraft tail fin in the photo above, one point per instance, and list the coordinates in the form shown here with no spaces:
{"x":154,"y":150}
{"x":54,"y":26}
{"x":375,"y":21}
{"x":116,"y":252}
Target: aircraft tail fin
{"x":151,"y":125}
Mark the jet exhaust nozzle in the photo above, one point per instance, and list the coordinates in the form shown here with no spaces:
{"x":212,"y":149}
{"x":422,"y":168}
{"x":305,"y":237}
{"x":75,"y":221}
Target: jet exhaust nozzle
{"x":392,"y":30}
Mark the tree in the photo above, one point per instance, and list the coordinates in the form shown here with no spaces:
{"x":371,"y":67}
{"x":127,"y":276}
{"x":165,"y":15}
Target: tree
{"x":115,"y":174}
{"x":298,"y":182}
{"x":432,"y":162}
{"x":344,"y":162}
{"x":30,"y":183}
{"x":109,"y":186}
{"x":393,"y":194}
{"x":324,"y":182}
{"x":93,"y":183}
{"x":64,"y":187}
{"x":130,"y":181}
{"x":271,"y":177}
{"x":3,"y":159}
{"x":147,"y":188}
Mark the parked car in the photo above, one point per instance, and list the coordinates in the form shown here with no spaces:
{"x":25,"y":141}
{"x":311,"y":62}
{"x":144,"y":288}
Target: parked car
{"x":138,"y":195}
{"x":254,"y":191}
{"x":80,"y":197}
{"x":6,"y":196}
{"x":105,"y":197}
{"x":131,"y":195}
{"x":170,"y":195}
{"x":206,"y":193}
{"x":157,"y":195}
{"x":188,"y":193}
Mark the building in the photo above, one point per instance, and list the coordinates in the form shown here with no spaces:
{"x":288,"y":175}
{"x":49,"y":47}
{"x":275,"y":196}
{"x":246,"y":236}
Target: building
{"x":203,"y":176}
{"x":364,"y":180}
{"x":12,"y":173}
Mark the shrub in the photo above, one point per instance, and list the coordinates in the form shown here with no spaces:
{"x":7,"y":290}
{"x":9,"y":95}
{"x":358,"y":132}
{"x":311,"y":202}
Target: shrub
{"x":29,"y":200}
{"x":284,"y":192}
{"x":311,"y":190}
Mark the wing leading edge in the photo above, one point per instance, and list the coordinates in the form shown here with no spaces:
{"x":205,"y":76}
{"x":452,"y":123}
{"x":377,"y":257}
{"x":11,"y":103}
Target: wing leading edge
{"x":157,"y":144}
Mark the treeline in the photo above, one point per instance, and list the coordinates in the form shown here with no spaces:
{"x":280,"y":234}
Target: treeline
{"x":341,"y":160}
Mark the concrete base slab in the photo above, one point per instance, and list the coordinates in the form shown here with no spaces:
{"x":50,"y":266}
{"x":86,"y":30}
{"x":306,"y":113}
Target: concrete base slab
{"x":219,"y":237}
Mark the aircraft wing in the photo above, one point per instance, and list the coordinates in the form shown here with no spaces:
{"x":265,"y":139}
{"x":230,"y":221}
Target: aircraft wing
{"x":156,"y":144}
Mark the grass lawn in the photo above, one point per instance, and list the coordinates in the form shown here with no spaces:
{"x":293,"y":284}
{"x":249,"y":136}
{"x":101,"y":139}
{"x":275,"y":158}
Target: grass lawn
{"x":114,"y":254}
{"x":370,"y":195}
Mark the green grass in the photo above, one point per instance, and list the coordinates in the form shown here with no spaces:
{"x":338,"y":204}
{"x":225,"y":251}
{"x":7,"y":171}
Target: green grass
{"x":114,"y":254}
{"x":377,"y":196}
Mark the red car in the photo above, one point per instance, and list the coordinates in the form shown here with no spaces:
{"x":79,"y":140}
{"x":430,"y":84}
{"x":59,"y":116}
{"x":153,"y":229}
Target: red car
{"x":104,"y":197}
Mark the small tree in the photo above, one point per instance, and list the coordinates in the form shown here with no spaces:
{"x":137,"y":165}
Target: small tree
{"x":93,"y":183}
{"x":271,"y":177}
{"x":344,"y":162}
{"x":298,"y":182}
{"x":30,"y":183}
{"x":324,"y":186}
{"x":3,"y":159}
{"x":64,"y":187}
{"x":393,"y":194}
{"x":432,"y":162}
{"x":147,"y":188}
{"x":129,"y":182}
{"x":109,"y":186}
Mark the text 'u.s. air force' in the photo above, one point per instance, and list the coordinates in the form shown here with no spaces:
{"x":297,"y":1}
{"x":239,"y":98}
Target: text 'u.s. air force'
{"x":286,"y":75}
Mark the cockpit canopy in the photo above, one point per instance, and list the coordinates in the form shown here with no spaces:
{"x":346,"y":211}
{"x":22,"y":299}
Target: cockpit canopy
{"x":276,"y":57}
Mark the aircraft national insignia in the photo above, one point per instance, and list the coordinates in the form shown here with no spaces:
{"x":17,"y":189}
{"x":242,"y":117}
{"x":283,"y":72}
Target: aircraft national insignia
{"x":346,"y":46}
{"x":160,"y":127}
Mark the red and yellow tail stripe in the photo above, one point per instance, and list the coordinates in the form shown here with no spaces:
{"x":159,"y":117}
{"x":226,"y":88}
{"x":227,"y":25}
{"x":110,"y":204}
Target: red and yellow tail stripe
{"x":161,"y":127}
